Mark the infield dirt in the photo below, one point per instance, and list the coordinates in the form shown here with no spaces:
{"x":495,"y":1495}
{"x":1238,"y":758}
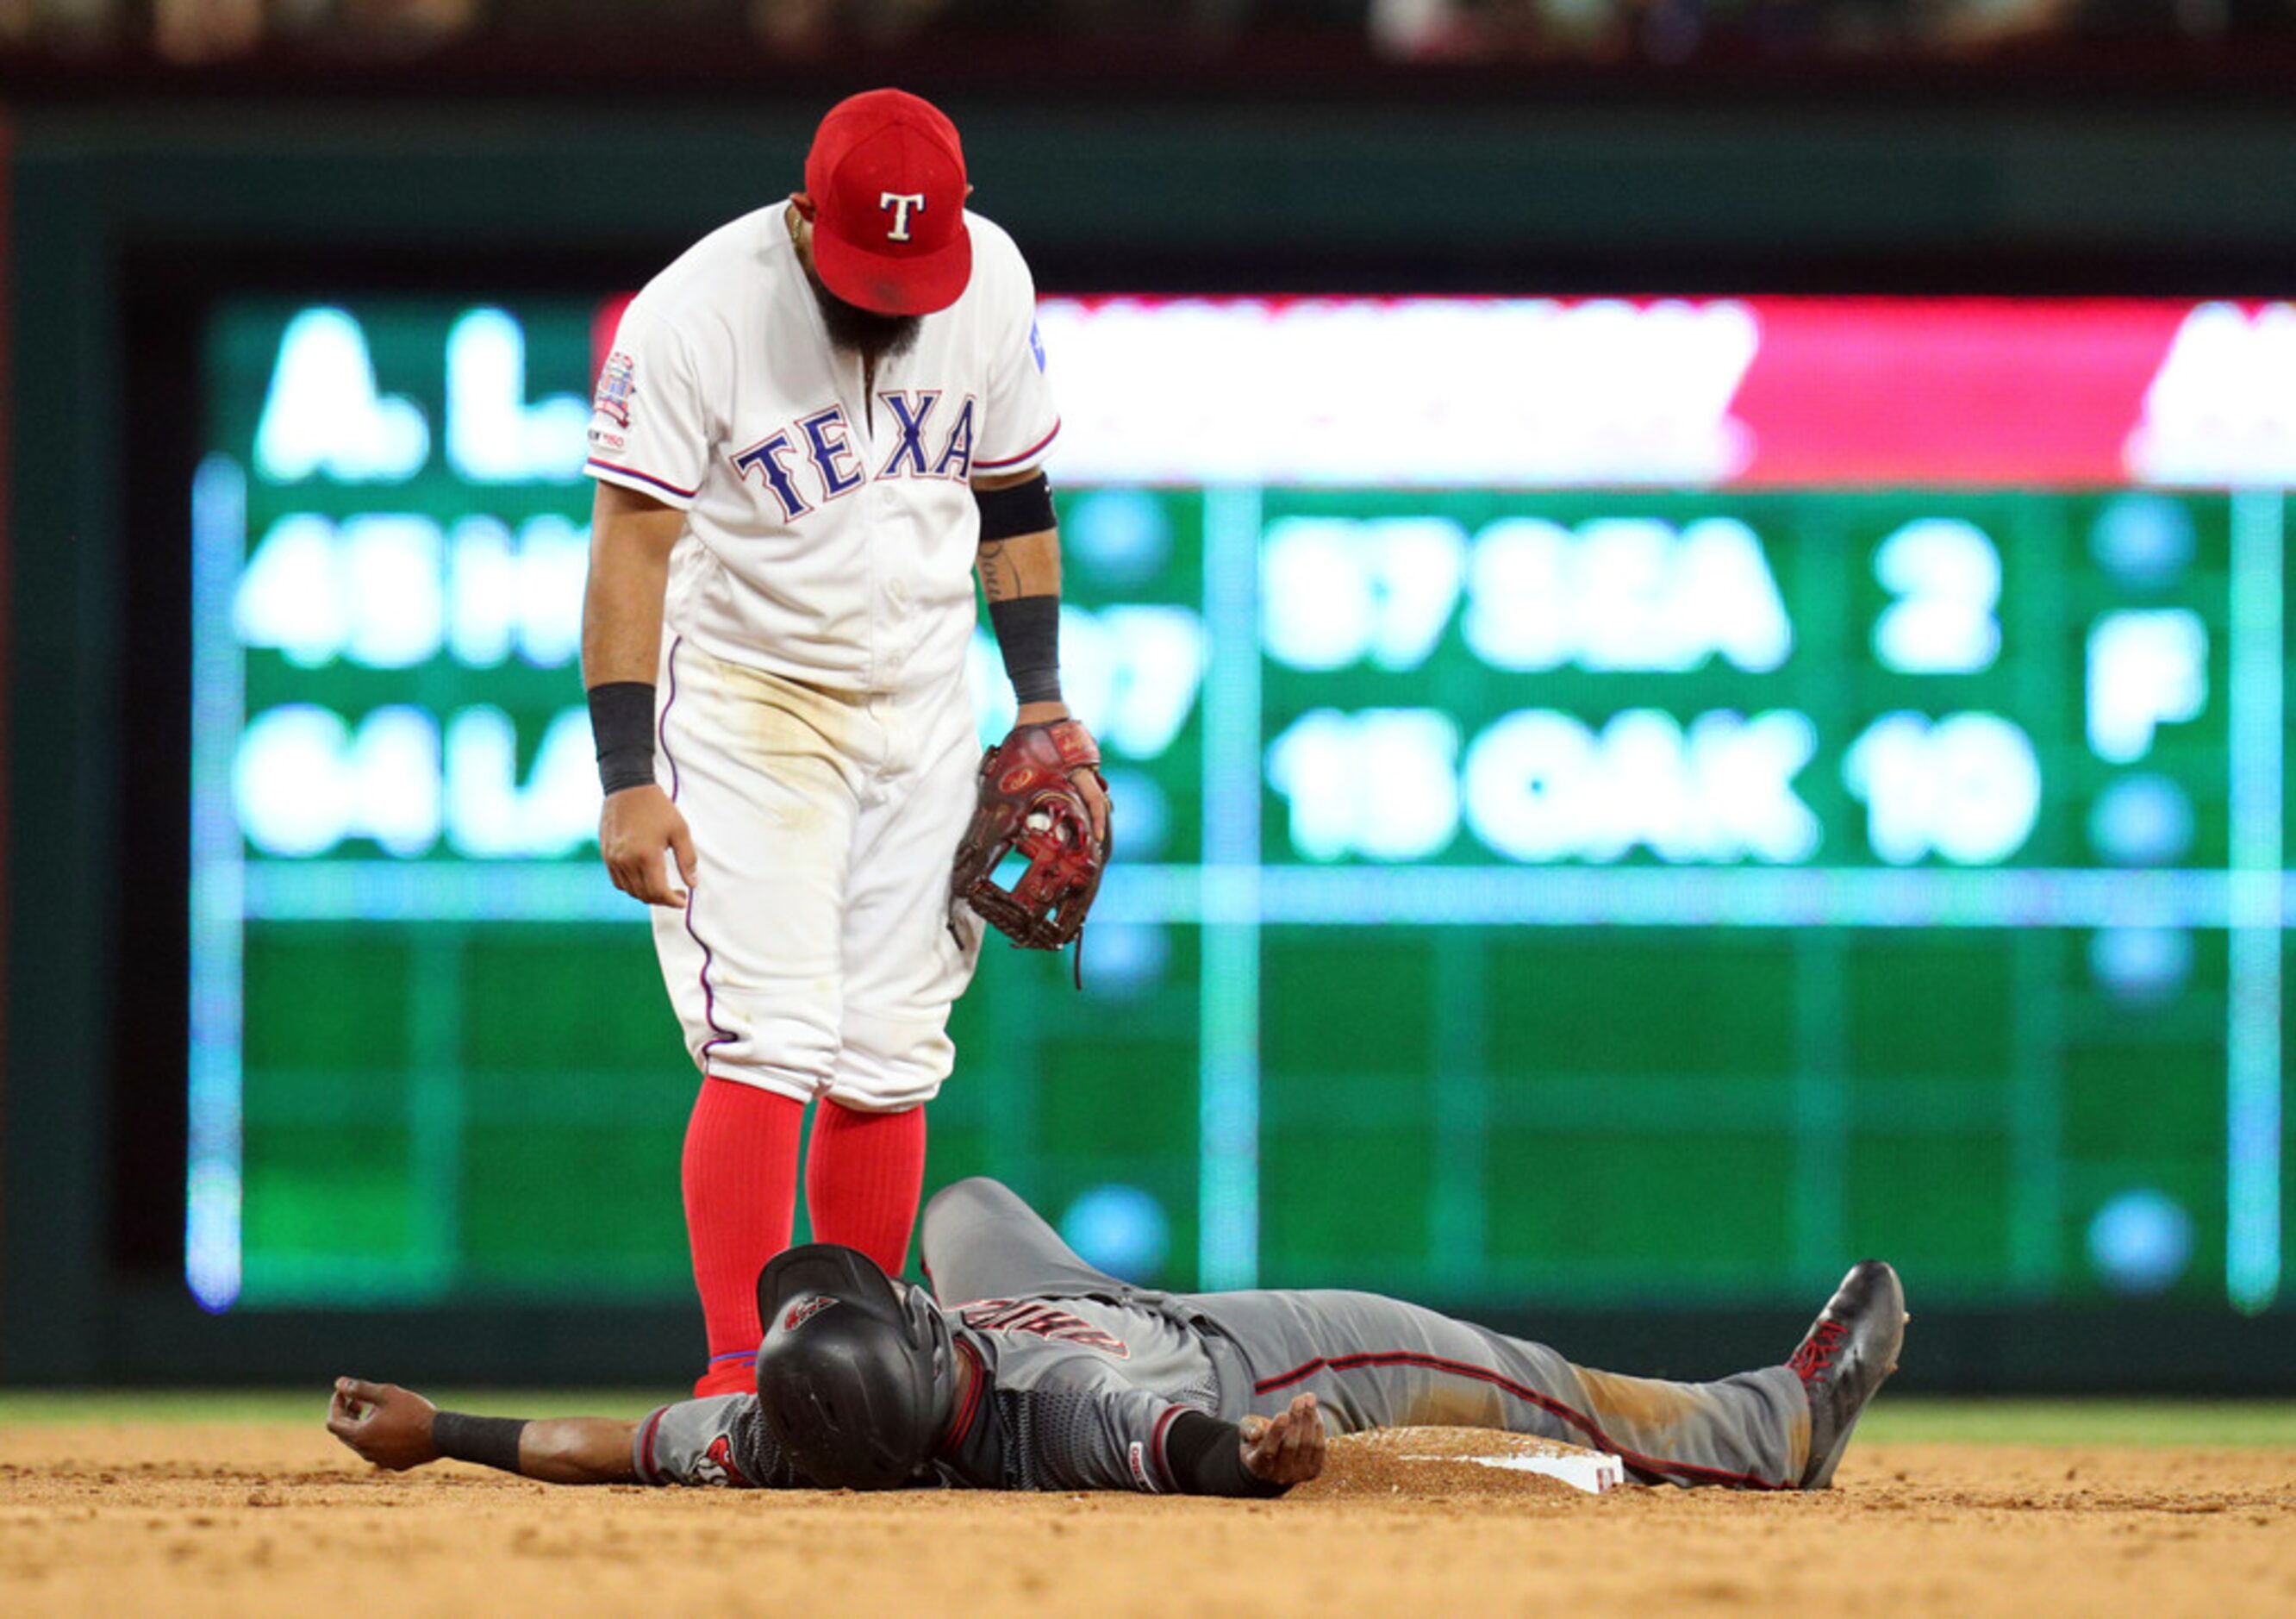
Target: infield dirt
{"x":176,"y":1519}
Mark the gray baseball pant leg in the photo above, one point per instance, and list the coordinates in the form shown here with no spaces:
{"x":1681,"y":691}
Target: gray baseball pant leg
{"x":1376,"y":1362}
{"x":982,"y":1242}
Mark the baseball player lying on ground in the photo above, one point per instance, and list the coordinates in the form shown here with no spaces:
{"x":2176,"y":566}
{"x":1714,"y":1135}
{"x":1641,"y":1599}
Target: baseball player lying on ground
{"x":1053,"y":1376}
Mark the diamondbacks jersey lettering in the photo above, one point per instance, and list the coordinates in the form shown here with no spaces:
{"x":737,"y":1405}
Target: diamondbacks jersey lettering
{"x":1042,"y":1321}
{"x":831,"y":527}
{"x":1085,"y":1394}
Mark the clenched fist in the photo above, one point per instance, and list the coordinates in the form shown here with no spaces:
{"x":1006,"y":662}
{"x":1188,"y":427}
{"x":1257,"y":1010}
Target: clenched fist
{"x":387,"y":1424}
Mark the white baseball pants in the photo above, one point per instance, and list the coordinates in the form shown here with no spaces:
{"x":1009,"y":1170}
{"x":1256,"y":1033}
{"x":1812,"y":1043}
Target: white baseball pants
{"x":814,"y":957}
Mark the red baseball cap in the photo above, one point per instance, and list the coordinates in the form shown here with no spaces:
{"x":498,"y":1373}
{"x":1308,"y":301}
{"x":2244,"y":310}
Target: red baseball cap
{"x":887,"y":179}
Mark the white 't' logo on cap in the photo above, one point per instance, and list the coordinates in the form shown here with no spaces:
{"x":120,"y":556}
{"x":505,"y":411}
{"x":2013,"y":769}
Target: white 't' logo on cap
{"x":903,"y":203}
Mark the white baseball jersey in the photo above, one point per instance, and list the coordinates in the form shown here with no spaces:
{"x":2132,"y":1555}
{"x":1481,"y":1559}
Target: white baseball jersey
{"x":831,"y":533}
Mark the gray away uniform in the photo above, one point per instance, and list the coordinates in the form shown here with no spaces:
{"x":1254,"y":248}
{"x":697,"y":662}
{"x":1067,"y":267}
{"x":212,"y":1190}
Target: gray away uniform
{"x":1084,"y":1377}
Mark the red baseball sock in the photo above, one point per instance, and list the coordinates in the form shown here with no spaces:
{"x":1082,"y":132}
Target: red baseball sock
{"x":739,"y":1172}
{"x":861,"y":1176}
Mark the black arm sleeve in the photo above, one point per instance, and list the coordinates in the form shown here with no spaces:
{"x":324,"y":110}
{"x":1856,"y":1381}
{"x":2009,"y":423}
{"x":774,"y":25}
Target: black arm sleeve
{"x":491,"y":1441}
{"x":1028,"y":634}
{"x":621,"y":721}
{"x":1206,"y":1458}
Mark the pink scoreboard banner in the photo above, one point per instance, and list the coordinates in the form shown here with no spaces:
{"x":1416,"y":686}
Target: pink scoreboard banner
{"x":1997,"y":393}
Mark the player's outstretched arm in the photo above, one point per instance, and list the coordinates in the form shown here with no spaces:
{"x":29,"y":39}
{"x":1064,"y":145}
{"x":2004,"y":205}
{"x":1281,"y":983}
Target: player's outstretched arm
{"x":397,"y":1429}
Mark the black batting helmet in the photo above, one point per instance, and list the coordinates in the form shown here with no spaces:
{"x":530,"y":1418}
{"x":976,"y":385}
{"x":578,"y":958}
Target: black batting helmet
{"x":857,"y":1377}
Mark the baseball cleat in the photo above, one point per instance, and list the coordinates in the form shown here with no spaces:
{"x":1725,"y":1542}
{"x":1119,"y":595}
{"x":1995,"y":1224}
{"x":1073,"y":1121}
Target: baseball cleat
{"x":1850,"y":1350}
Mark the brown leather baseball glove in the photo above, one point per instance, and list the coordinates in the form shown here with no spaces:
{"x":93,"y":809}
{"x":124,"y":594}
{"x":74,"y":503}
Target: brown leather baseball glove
{"x":1029,"y":805}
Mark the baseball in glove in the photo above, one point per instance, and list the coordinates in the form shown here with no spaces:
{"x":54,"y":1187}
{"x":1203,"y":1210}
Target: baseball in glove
{"x":1030,"y":806}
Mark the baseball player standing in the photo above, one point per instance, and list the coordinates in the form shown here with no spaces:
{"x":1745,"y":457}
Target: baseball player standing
{"x":813,"y":430}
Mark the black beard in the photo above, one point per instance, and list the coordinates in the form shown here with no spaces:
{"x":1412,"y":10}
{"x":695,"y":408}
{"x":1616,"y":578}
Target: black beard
{"x":873,"y":336}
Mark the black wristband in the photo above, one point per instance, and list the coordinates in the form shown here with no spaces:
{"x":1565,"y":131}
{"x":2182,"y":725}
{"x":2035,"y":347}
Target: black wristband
{"x":1028,"y":633}
{"x":1016,"y":509}
{"x":621,"y":721}
{"x":1206,"y":1458}
{"x":491,"y":1441}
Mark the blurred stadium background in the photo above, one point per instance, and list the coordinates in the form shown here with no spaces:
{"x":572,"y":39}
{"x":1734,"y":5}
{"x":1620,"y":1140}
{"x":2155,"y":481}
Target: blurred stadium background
{"x":1689,"y":599}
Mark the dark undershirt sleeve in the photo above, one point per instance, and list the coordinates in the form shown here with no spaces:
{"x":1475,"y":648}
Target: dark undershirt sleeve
{"x":1206,"y":1458}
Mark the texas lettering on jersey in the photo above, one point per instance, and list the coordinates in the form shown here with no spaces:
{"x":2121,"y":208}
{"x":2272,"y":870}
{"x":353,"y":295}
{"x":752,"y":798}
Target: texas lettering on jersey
{"x":822,"y":443}
{"x":1041,"y":1320}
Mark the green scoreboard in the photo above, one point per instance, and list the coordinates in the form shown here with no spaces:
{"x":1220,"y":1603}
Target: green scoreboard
{"x":1616,"y":800}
